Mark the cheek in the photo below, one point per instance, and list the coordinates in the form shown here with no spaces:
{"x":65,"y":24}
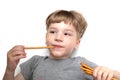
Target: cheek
{"x":48,"y":39}
{"x":72,"y":44}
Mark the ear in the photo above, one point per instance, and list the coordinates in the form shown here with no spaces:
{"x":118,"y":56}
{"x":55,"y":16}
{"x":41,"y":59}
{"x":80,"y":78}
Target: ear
{"x":77,"y":43}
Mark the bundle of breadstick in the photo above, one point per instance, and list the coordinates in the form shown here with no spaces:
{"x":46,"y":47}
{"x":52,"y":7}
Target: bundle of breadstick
{"x":89,"y":70}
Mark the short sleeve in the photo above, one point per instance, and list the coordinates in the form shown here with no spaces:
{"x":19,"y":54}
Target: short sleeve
{"x":88,"y":62}
{"x":27,"y":67}
{"x":91,"y":64}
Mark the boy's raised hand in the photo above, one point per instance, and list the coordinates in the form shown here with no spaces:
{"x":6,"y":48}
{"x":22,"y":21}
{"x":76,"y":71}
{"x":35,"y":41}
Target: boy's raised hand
{"x":102,"y":73}
{"x":13,"y":57}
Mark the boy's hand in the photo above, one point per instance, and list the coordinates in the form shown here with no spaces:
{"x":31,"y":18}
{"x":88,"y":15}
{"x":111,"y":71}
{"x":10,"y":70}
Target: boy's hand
{"x":13,"y":57}
{"x":102,"y":73}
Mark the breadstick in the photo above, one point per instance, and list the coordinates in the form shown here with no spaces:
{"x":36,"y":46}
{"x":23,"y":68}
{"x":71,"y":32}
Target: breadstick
{"x":39,"y":47}
{"x":86,"y":66}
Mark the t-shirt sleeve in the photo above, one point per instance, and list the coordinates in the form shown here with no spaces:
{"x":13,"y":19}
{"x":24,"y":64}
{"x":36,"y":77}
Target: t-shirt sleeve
{"x":88,"y":62}
{"x":91,"y":64}
{"x":27,"y":67}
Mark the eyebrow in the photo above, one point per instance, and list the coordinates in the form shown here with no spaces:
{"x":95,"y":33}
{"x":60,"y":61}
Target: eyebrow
{"x":51,"y":28}
{"x":64,"y":29}
{"x":69,"y":30}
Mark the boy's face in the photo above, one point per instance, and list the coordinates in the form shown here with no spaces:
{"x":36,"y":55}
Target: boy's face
{"x":64,"y":39}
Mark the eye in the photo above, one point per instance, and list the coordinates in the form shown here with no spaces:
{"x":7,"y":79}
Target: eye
{"x":67,"y":34}
{"x":52,"y":31}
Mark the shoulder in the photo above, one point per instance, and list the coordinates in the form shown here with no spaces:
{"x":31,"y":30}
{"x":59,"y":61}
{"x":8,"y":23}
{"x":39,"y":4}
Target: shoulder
{"x":30,"y":65}
{"x":34,"y":60}
{"x":86,"y":61}
{"x":79,"y":58}
{"x":37,"y":58}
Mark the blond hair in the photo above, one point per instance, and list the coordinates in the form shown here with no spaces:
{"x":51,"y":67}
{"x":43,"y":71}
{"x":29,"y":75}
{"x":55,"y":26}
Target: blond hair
{"x":69,"y":17}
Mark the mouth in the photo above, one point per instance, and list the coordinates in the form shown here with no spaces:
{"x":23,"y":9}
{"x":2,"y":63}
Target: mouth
{"x":58,"y":46}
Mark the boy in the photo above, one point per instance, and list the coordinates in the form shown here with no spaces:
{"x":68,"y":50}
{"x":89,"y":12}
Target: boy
{"x":64,"y":31}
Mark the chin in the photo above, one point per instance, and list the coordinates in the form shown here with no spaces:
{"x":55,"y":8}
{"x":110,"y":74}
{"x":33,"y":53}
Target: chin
{"x":57,"y":56}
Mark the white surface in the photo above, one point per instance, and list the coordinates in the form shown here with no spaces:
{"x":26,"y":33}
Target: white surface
{"x":23,"y":22}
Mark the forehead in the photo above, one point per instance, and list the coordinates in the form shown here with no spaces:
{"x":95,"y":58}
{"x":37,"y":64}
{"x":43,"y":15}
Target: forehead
{"x":62,"y":25}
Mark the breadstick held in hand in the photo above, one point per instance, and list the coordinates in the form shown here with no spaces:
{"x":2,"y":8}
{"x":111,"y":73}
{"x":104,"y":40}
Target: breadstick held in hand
{"x":39,"y":47}
{"x":89,"y":70}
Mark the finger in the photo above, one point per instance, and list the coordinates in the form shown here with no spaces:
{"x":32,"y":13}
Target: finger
{"x":105,"y":75}
{"x":99,"y":75}
{"x":15,"y":56}
{"x":15,"y":60}
{"x":17,"y":52}
{"x":19,"y":57}
{"x":110,"y":76}
{"x":95,"y":71}
{"x":99,"y":72}
{"x":17,"y":47}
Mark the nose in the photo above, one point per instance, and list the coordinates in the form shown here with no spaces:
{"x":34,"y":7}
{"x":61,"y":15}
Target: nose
{"x":59,"y":37}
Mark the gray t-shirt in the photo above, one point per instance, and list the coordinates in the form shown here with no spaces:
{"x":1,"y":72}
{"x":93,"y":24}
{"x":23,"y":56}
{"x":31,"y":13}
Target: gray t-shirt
{"x":45,"y":68}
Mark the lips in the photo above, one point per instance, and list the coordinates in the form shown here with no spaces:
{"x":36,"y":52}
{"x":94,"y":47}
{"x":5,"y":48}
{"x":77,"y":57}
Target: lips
{"x":58,"y":46}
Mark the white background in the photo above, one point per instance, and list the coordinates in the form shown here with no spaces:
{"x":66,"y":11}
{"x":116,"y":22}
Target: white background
{"x":22,"y":22}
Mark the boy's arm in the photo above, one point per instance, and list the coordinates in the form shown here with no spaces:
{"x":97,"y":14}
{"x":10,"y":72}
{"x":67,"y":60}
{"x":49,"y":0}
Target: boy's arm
{"x":19,"y":76}
{"x":10,"y":76}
